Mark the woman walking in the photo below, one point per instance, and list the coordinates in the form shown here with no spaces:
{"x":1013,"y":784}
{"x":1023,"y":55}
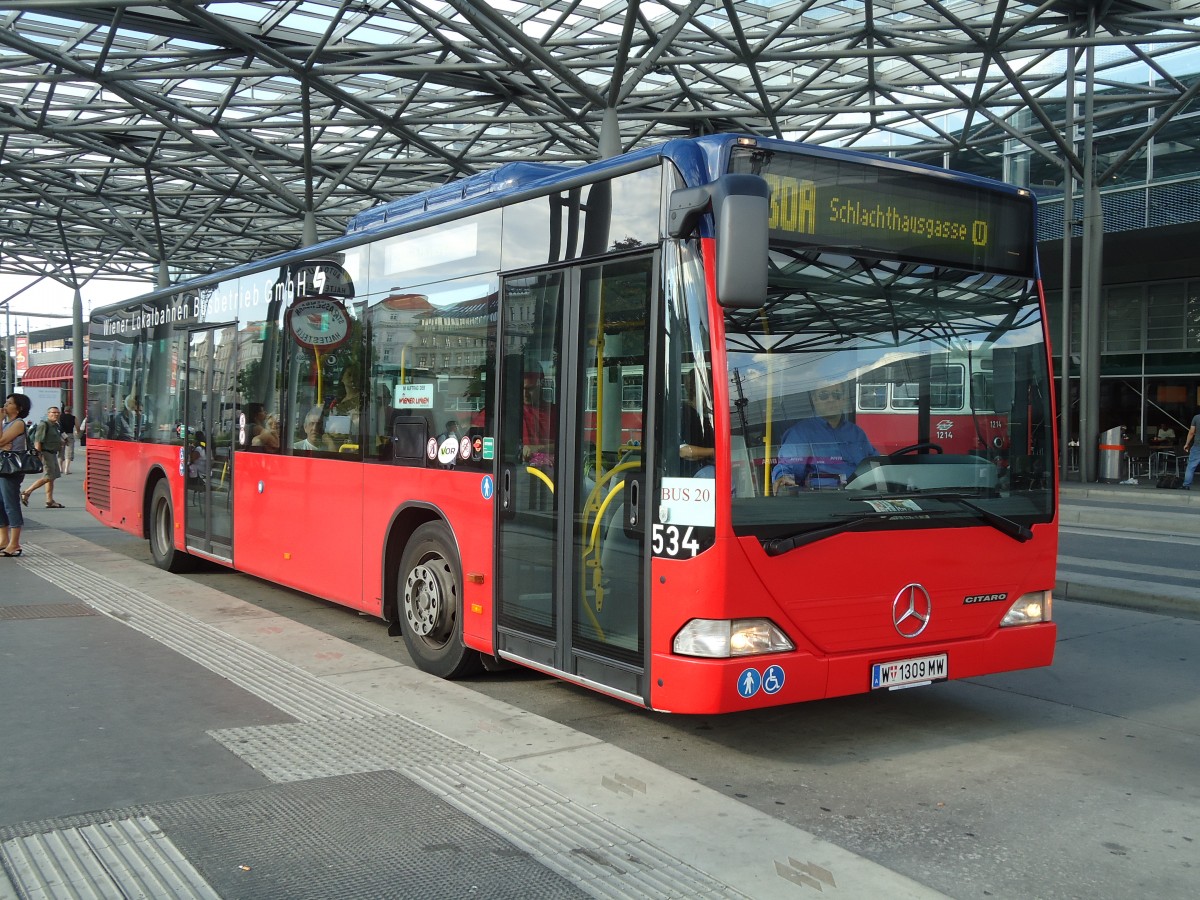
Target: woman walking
{"x":12,"y":437}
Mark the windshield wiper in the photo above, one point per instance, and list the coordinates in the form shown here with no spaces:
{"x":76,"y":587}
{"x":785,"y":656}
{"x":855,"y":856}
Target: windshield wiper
{"x":779,"y":546}
{"x":1004,"y":525}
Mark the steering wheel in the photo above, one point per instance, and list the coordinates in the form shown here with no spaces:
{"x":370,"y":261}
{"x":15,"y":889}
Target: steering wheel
{"x":913,"y":448}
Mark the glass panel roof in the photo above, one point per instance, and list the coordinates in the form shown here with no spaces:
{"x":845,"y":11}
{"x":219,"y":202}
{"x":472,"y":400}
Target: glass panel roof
{"x":200,"y":134}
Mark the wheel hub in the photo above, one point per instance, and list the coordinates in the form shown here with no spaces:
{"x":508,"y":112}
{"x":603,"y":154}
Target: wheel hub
{"x":422,"y":600}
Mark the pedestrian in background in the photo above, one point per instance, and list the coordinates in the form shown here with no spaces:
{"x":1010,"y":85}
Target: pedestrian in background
{"x":66,"y":454}
{"x":1192,"y":449}
{"x":47,"y":440}
{"x":12,"y":437}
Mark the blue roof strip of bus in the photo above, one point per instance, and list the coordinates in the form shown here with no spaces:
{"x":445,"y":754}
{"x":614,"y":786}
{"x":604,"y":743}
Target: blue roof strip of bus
{"x":694,"y":158}
{"x":508,"y":178}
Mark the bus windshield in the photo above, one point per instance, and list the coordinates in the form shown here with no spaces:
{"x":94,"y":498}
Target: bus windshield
{"x":871,"y":393}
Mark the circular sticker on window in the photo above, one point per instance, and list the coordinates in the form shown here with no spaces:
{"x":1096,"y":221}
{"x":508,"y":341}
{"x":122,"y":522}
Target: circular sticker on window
{"x":447,"y":451}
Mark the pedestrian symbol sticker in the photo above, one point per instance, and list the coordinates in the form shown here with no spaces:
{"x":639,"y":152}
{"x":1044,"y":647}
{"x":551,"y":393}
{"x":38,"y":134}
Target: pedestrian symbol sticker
{"x":749,"y":682}
{"x":487,"y":488}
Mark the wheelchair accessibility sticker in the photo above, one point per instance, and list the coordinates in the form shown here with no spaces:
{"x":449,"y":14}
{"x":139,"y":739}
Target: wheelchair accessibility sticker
{"x":770,"y":681}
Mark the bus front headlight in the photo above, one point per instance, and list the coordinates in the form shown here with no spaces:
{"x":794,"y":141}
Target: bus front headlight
{"x":723,"y":638}
{"x":1029,"y":608}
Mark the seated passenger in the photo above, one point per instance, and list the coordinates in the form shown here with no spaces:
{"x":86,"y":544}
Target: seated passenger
{"x":315,"y":437}
{"x":129,"y":425}
{"x":264,"y":431}
{"x":824,"y":451}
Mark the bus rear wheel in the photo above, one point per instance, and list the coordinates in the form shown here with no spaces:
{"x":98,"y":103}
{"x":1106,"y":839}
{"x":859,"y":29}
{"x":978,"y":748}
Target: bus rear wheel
{"x":162,"y":531}
{"x":429,"y":605}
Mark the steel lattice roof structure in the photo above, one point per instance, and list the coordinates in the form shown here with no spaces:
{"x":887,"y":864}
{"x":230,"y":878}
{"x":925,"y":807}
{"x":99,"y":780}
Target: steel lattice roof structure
{"x":198,"y":135}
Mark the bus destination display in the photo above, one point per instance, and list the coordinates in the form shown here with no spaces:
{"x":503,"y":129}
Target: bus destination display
{"x":865,"y":208}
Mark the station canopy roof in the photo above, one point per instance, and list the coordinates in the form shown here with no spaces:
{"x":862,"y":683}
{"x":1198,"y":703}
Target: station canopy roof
{"x":203,"y":134}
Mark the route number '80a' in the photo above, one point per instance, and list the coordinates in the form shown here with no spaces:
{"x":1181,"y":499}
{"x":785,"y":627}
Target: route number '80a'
{"x":674,"y":541}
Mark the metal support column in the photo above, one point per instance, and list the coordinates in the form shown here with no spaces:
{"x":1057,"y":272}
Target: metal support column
{"x":1064,"y":411}
{"x":1090,"y":305}
{"x":610,"y":134}
{"x":77,"y":398}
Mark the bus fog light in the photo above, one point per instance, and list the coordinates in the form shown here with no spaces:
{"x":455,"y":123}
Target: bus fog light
{"x":723,"y":638}
{"x":1030,"y":608}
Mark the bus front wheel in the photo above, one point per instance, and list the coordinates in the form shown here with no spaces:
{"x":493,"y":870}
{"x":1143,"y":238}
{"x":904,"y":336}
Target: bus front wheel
{"x":429,"y":605}
{"x":162,"y":531}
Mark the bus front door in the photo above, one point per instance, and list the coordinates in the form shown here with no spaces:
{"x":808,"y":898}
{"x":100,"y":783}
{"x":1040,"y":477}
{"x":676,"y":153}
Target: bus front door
{"x":207,"y":452}
{"x":571,"y":555}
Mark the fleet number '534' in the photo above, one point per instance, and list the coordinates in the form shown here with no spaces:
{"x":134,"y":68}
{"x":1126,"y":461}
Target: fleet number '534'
{"x":673,"y":541}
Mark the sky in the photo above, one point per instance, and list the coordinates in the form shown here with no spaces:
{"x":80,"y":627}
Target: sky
{"x":53,"y":300}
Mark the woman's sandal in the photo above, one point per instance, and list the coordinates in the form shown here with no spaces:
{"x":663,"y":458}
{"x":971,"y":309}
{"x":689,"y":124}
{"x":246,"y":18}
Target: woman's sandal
{"x":16,"y":552}
{"x":55,"y":505}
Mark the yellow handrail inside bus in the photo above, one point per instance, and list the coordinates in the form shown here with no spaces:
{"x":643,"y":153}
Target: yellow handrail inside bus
{"x":317,"y":363}
{"x":542,"y":475}
{"x":591,"y":554}
{"x":590,"y":505}
{"x":595,"y":530}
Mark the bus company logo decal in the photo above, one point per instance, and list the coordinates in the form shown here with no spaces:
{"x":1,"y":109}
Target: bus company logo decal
{"x":985,"y":598}
{"x":911,"y":610}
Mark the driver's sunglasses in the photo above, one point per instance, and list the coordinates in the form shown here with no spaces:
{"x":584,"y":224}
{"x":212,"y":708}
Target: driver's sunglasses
{"x":829,"y":395}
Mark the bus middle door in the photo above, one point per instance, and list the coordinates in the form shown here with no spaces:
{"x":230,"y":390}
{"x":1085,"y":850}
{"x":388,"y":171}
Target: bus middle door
{"x":571,"y":555}
{"x":207,"y":451}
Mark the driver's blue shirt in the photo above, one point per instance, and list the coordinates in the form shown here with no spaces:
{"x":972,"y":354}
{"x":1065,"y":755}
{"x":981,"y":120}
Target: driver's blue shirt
{"x":814,"y":452}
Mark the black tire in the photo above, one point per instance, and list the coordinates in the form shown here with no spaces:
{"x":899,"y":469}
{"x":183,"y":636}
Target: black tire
{"x":162,"y":531}
{"x":429,"y":604}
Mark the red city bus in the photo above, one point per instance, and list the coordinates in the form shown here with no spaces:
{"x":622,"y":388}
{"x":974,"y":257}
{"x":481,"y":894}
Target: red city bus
{"x":614,"y":422}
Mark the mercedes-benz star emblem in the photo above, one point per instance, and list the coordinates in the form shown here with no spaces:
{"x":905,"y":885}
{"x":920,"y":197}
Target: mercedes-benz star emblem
{"x":911,"y":610}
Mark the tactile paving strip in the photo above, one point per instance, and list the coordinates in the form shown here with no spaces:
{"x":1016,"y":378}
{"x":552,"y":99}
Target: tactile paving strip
{"x":128,"y":857}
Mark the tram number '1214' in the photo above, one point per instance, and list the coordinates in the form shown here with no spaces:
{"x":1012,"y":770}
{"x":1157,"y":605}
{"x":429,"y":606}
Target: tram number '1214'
{"x":674,"y":541}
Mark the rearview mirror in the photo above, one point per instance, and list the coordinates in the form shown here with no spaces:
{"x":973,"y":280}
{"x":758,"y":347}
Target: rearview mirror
{"x":740,"y":207}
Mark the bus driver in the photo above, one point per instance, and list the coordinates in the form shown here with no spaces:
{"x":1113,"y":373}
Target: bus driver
{"x":823,"y":451}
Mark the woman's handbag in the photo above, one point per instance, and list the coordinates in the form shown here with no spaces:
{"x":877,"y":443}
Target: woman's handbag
{"x":20,"y":462}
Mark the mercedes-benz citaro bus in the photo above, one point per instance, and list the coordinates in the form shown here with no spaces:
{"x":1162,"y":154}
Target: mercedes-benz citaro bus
{"x":719,"y":424}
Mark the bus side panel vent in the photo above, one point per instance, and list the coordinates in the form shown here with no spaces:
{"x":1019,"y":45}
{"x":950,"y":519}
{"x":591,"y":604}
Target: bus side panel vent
{"x":99,"y":478}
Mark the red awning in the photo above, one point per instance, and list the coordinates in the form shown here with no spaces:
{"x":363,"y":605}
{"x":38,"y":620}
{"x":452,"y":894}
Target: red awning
{"x":51,"y":374}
